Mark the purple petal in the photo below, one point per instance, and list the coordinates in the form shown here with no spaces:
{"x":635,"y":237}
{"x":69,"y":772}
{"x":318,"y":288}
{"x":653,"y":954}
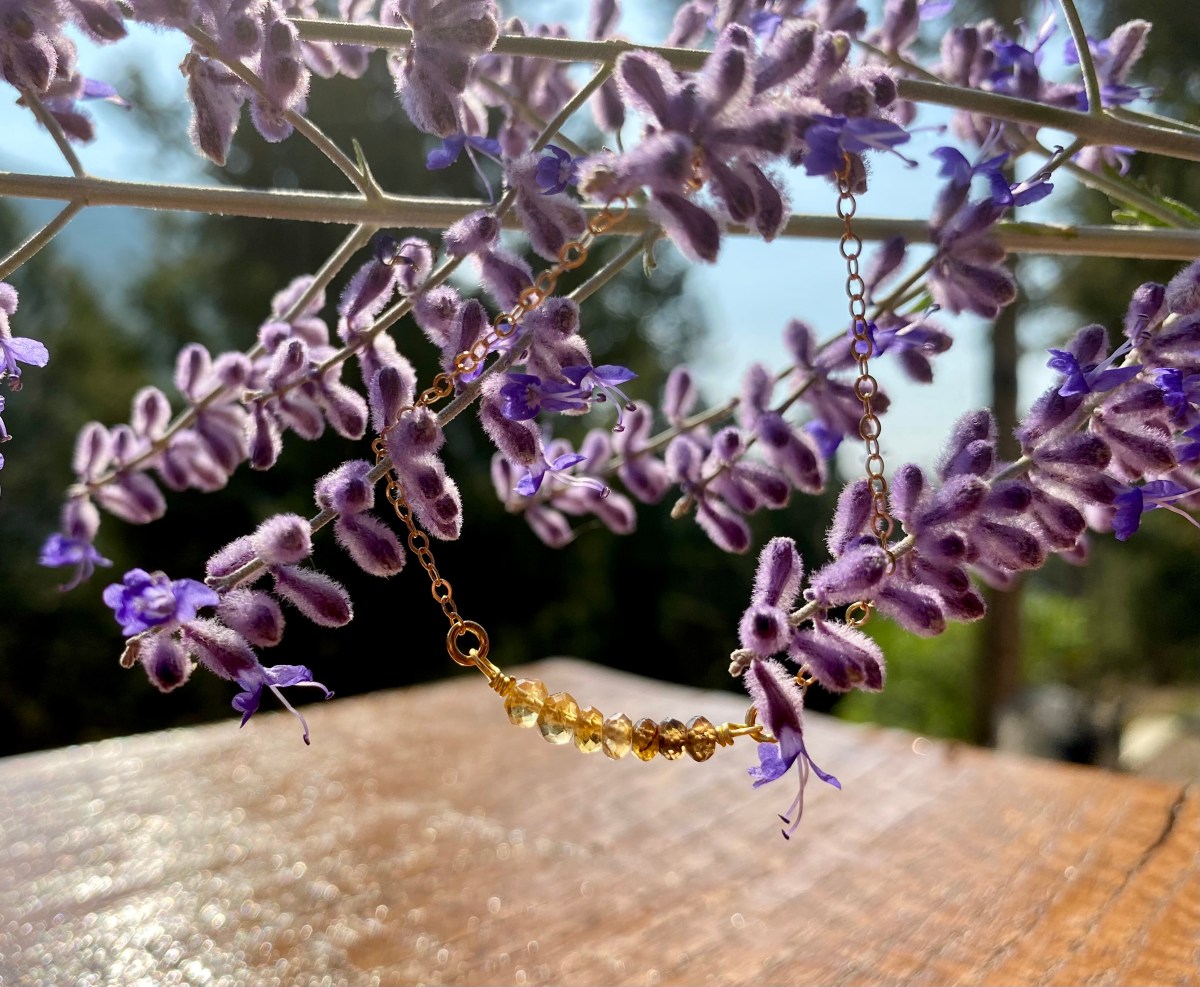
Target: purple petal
{"x":190,"y":596}
{"x":771,"y":766}
{"x":610,"y":375}
{"x":487,"y":145}
{"x":446,"y":155}
{"x":28,"y":351}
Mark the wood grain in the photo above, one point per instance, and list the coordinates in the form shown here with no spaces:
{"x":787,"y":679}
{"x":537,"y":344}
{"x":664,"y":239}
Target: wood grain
{"x":422,"y":839}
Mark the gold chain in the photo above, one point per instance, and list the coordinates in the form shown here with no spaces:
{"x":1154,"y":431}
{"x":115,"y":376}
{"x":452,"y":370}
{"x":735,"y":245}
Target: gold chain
{"x":558,"y":717}
{"x":862,"y":348}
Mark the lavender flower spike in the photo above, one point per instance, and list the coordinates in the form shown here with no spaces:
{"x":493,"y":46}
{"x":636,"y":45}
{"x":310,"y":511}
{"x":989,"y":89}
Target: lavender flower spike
{"x":145,"y":601}
{"x":780,"y":701}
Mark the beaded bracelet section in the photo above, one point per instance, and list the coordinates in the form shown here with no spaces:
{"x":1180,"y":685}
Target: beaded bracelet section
{"x":560,"y":720}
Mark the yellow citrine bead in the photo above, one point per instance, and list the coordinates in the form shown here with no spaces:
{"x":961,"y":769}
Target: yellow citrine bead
{"x":671,"y":737}
{"x":618,"y":736}
{"x":557,"y":718}
{"x":524,"y":702}
{"x":645,"y":739}
{"x":589,"y":730}
{"x":701,"y":740}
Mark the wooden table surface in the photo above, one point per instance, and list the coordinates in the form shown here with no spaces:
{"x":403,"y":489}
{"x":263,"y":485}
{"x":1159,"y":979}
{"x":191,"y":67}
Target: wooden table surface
{"x":422,"y":839}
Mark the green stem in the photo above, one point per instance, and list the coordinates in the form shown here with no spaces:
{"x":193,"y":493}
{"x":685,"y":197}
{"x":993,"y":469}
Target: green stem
{"x":585,"y":91}
{"x":436,"y":214}
{"x":38,"y":240}
{"x":1095,"y":129}
{"x":1091,"y":83}
{"x":34,"y":102}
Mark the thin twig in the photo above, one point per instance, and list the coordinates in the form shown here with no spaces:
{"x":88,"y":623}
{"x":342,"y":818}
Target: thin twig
{"x":437,"y":214}
{"x":54,"y":128}
{"x":1099,"y":129}
{"x":38,"y":240}
{"x":1091,"y":82}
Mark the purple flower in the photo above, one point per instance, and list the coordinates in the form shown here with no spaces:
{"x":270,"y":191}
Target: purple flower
{"x":1188,"y":451}
{"x":960,"y":172}
{"x":452,"y":147}
{"x":780,"y":702}
{"x":532,"y":482}
{"x":1094,"y":377}
{"x":60,"y":549}
{"x":1136,"y":501}
{"x":604,"y":379}
{"x":826,"y":438}
{"x":274,"y":678}
{"x":1181,"y":394}
{"x":830,"y":137}
{"x":146,"y":600}
{"x":524,"y":395}
{"x":765,"y":23}
{"x":556,"y":170}
{"x":19,"y":349}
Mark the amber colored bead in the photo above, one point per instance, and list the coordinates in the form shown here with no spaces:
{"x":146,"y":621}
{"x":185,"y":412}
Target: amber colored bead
{"x":557,"y":718}
{"x":671,"y":737}
{"x":618,"y":736}
{"x":524,"y":702}
{"x":645,"y":739}
{"x":701,"y":740}
{"x":589,"y":730}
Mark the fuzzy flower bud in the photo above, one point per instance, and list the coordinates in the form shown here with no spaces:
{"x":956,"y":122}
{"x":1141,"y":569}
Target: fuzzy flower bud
{"x":314,"y":594}
{"x":165,"y":662}
{"x":283,"y":539}
{"x":346,"y":489}
{"x":370,"y":543}
{"x":253,"y":614}
{"x":849,"y":578}
{"x":476,"y":231}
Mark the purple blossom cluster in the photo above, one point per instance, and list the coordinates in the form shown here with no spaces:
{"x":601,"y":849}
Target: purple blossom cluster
{"x":14,"y":350}
{"x":249,"y":52}
{"x":160,"y":615}
{"x":986,"y":56}
{"x":1115,"y":437}
{"x":796,"y":99}
{"x":40,"y":59}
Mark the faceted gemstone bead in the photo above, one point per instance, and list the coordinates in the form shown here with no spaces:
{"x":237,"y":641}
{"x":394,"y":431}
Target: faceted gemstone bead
{"x":524,"y":702}
{"x":589,"y":730}
{"x":701,"y":740}
{"x":618,"y":736}
{"x":671,"y":737}
{"x":557,"y":718}
{"x":645,"y":739}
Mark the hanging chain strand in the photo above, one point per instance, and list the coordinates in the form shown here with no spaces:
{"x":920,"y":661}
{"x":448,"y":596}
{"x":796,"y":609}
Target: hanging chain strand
{"x":862,"y":348}
{"x":558,"y":717}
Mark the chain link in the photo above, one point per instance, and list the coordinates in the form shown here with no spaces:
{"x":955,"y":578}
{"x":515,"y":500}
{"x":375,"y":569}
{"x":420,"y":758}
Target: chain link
{"x":505,"y":324}
{"x":866,"y":387}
